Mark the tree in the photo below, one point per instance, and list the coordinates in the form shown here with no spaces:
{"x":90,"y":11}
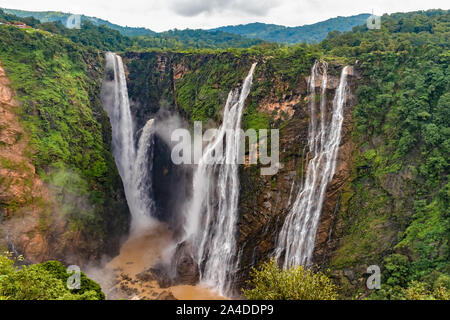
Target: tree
{"x":297,"y":283}
{"x":45,"y":281}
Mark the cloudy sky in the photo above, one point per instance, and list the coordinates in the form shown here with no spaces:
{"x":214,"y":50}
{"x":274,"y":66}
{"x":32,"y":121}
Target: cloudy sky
{"x":161,"y":15}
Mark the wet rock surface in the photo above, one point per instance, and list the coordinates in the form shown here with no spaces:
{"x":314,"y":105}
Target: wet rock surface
{"x":186,"y":268}
{"x":326,"y":240}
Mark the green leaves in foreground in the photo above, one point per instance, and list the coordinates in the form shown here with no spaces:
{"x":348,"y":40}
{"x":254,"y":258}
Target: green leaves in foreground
{"x":297,"y":283}
{"x":44,"y":281}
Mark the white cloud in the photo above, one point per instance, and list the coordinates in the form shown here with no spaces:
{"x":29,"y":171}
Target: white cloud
{"x":160,"y":15}
{"x":195,"y":7}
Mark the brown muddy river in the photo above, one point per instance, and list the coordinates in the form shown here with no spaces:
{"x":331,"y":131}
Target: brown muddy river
{"x":140,"y":252}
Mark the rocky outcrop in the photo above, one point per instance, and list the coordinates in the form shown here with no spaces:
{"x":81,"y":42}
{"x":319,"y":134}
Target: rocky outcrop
{"x":23,"y":196}
{"x":265,"y":200}
{"x":32,"y":222}
{"x":142,"y":287}
{"x":183,"y":270}
{"x":187,"y":271}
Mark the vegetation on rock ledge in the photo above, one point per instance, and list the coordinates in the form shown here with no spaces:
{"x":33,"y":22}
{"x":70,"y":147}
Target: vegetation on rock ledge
{"x":44,"y":281}
{"x":297,"y":283}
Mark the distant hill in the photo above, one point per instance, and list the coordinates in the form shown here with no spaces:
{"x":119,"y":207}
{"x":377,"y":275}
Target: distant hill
{"x":308,"y":33}
{"x":54,"y":16}
{"x":199,"y":38}
{"x":105,"y":38}
{"x":234,"y":36}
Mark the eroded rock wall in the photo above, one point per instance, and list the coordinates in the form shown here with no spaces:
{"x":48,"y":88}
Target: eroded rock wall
{"x":32,"y":220}
{"x":264,"y":200}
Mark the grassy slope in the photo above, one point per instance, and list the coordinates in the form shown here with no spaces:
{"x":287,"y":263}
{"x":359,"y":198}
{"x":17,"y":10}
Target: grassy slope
{"x":58,"y":84}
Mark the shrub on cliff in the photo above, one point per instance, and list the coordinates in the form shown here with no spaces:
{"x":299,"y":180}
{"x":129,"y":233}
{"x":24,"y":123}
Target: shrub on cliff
{"x":45,"y":281}
{"x":86,"y":284}
{"x":297,"y":283}
{"x":400,"y":281}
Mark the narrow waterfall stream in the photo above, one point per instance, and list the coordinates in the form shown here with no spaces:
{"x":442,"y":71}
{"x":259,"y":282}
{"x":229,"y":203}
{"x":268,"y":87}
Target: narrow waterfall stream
{"x":212,"y":216}
{"x":133,"y":165}
{"x":296,"y":241}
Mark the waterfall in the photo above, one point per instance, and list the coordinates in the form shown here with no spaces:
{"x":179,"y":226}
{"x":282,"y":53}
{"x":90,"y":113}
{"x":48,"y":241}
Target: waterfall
{"x":134,"y":165}
{"x":142,"y":173}
{"x":118,"y":109}
{"x":296,"y":241}
{"x":212,"y":216}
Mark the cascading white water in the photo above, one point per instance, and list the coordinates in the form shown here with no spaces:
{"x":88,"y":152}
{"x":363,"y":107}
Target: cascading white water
{"x":212,"y":215}
{"x":142,"y":172}
{"x":296,"y":240}
{"x":134,"y":166}
{"x":117,"y":105}
{"x":143,"y":206}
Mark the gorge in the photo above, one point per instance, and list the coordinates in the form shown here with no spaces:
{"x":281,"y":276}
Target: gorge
{"x":211,"y":214}
{"x":87,"y":179}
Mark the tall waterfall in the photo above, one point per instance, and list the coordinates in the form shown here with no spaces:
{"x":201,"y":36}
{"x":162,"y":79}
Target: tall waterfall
{"x":296,"y":240}
{"x":212,"y":216}
{"x":133,"y":165}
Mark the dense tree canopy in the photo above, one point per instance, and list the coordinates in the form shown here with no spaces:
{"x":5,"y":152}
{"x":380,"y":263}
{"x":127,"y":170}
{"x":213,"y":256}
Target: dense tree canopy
{"x":45,"y":281}
{"x":297,"y":283}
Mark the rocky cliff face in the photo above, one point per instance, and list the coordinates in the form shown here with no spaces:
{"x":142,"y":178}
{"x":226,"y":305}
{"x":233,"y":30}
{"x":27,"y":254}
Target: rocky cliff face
{"x":22,"y":192}
{"x":265,"y":200}
{"x":33,"y":220}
